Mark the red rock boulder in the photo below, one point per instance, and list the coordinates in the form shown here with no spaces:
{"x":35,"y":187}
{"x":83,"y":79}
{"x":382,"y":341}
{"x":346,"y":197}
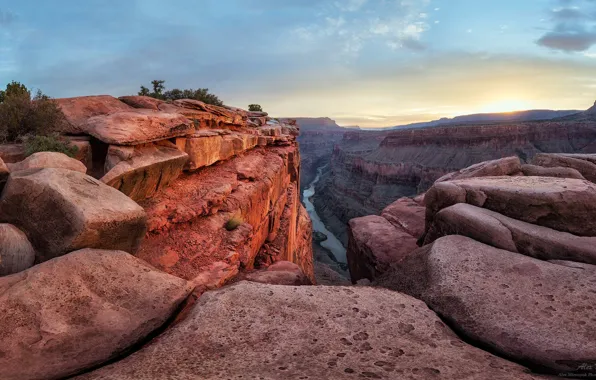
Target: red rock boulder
{"x":42,"y":160}
{"x":16,"y":252}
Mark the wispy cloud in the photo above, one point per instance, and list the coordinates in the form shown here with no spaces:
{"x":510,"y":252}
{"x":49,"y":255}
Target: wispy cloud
{"x":6,"y":18}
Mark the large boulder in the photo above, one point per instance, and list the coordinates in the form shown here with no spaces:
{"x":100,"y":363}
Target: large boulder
{"x":563,"y":204}
{"x":79,"y":109}
{"x":81,"y":310}
{"x":206,"y":147}
{"x":530,"y":310}
{"x":508,"y":166}
{"x":115,"y":122}
{"x":374,"y":243}
{"x":407,"y":214}
{"x":63,"y":210}
{"x":553,"y":160}
{"x":137,"y":127}
{"x":148,"y":169}
{"x":16,"y":252}
{"x":500,"y":231}
{"x":557,"y":171}
{"x":257,"y":331}
{"x":42,"y":160}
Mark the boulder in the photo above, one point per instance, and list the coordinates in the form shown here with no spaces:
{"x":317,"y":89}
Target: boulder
{"x":205,"y":148}
{"x":42,"y":160}
{"x":500,"y":231}
{"x":16,"y":252}
{"x":280,"y":273}
{"x":374,"y":243}
{"x":508,"y":166}
{"x":563,"y":204}
{"x":557,"y":171}
{"x":79,"y":109}
{"x":406,"y":214}
{"x":532,"y":311}
{"x":137,"y":127}
{"x":63,"y":210}
{"x":81,"y":310}
{"x":553,"y":160}
{"x":150,"y":168}
{"x":258,"y":331}
{"x":11,"y":153}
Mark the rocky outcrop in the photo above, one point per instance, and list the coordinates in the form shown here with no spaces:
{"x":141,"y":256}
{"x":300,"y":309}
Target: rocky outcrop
{"x":508,"y":166}
{"x":80,"y":310}
{"x":563,"y":204}
{"x":187,"y":220}
{"x":63,"y":210}
{"x":283,"y":332}
{"x":16,"y":252}
{"x":556,"y":171}
{"x":370,"y":170}
{"x":375,"y":243}
{"x":503,"y":232}
{"x":42,"y":160}
{"x":143,"y":170}
{"x":582,"y":163}
{"x":486,"y":292}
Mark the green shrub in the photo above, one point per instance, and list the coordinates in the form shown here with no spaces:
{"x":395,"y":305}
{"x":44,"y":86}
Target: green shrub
{"x":255,"y":108}
{"x":201,"y":94}
{"x":233,"y":223}
{"x":51,"y":143}
{"x":21,"y":116}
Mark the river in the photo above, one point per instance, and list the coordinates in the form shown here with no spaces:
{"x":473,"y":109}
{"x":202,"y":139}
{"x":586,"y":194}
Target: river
{"x":332,"y":243}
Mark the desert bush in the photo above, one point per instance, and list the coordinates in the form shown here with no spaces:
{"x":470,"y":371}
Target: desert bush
{"x":255,"y":108}
{"x":51,"y":143}
{"x":21,"y":116}
{"x":234,"y":222}
{"x":201,"y":94}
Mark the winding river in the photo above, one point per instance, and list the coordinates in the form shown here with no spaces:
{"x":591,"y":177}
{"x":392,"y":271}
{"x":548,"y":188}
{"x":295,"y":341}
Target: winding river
{"x":332,"y":243}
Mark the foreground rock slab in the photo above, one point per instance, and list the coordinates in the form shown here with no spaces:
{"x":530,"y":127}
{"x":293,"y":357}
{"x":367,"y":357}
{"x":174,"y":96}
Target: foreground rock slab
{"x":42,"y":160}
{"x":80,"y":310}
{"x":150,"y":168}
{"x":563,"y":204}
{"x":513,"y":235}
{"x":535,"y":312}
{"x":508,"y":166}
{"x":407,"y":214}
{"x":251,"y":330}
{"x":374,"y":243}
{"x":63,"y":210}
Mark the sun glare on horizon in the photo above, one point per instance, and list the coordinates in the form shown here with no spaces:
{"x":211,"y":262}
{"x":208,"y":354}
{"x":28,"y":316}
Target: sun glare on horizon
{"x":506,"y":105}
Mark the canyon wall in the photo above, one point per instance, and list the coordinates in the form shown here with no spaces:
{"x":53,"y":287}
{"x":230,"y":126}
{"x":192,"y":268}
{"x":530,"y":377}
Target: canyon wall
{"x":317,"y":138}
{"x":370,"y":170}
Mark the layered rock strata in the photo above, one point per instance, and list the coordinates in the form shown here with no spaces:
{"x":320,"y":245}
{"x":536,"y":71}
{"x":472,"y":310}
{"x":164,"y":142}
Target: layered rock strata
{"x":370,"y":170}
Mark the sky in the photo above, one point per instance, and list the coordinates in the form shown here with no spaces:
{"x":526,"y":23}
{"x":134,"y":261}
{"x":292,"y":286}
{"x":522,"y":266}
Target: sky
{"x":371,"y":63}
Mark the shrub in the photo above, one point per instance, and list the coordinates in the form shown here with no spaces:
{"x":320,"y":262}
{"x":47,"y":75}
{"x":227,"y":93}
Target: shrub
{"x":255,"y":108}
{"x":51,"y":143}
{"x":233,"y":223}
{"x":201,"y":94}
{"x":21,"y":116}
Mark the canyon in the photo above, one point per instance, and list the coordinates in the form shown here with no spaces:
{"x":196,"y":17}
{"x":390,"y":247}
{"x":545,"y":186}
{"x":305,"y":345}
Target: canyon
{"x":174,"y":244}
{"x":369,"y":170}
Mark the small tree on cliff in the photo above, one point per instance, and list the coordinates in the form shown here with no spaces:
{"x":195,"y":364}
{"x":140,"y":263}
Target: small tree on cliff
{"x":22,"y":117}
{"x":255,"y":108}
{"x":201,"y":94}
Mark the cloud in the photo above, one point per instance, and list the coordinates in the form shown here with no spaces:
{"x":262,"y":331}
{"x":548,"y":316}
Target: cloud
{"x":573,"y":26}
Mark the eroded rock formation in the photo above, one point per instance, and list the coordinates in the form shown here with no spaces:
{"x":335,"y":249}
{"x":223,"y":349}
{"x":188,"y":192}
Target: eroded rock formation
{"x":370,"y":170}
